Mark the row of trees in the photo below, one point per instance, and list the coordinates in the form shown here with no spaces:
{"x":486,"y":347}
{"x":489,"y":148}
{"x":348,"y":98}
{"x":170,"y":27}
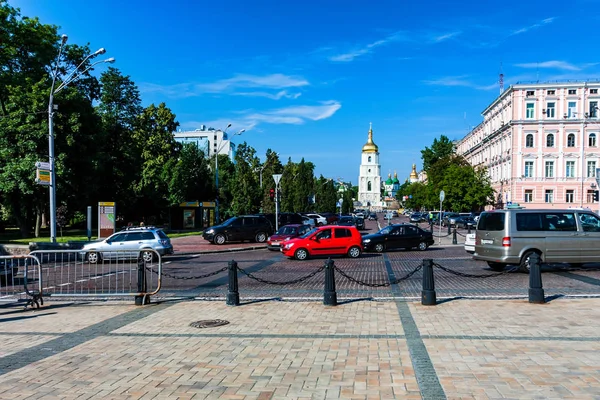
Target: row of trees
{"x":109,"y":147}
{"x":466,"y":188}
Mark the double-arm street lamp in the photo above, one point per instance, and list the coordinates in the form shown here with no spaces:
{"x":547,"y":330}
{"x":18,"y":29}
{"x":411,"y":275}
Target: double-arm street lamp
{"x":51,"y":108}
{"x":219,"y":148}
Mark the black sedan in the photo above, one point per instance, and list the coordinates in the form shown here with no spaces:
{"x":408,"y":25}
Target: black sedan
{"x":346,"y":220}
{"x":401,"y":236}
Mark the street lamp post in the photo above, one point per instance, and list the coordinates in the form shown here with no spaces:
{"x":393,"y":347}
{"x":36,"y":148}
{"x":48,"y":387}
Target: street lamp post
{"x":51,"y":108}
{"x":219,"y":148}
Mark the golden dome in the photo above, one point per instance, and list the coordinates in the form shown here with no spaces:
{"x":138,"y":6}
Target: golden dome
{"x":370,"y":147}
{"x":413,"y":174}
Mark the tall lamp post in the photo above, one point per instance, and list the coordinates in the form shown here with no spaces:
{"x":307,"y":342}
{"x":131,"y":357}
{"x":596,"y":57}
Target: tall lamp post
{"x":76,"y":73}
{"x":219,"y":148}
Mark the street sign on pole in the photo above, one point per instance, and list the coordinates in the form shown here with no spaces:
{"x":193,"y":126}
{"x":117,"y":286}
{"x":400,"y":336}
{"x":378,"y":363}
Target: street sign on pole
{"x":43,"y":177}
{"x":277,"y":178}
{"x":43,"y":165}
{"x":442,"y":196}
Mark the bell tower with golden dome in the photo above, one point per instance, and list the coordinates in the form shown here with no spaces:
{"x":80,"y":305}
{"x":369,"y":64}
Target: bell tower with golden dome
{"x":369,"y":179}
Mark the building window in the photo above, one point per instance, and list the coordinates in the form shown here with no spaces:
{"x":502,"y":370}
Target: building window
{"x":551,"y":92}
{"x":368,"y":186}
{"x":528,"y":169}
{"x":589,"y":197}
{"x":570,"y":169}
{"x":529,"y":140}
{"x":530,"y":110}
{"x":591,"y":169}
{"x":550,"y":108}
{"x":528,"y":196}
{"x":570,"y":196}
{"x":593,"y":109}
{"x":369,"y":158}
{"x":572,"y":91}
{"x":549,"y":169}
{"x":549,"y":196}
{"x":550,"y":140}
{"x":530,"y":93}
{"x":572,"y":111}
{"x":571,"y":140}
{"x":592,"y":140}
{"x":593,"y":91}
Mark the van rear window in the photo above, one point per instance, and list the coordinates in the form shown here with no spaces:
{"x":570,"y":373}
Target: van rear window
{"x":491,"y":221}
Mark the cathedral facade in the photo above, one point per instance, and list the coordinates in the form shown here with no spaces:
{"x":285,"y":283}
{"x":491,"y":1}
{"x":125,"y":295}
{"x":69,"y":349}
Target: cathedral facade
{"x":369,"y":179}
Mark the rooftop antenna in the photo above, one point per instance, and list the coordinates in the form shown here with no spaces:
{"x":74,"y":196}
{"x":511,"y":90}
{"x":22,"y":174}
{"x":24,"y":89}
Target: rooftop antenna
{"x":501,"y":79}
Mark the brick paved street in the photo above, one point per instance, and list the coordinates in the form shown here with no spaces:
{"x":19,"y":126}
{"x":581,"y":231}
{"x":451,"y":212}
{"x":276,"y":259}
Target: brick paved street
{"x":461,"y":349}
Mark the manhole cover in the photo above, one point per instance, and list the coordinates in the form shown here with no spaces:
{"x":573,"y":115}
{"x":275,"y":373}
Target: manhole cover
{"x":209,"y":323}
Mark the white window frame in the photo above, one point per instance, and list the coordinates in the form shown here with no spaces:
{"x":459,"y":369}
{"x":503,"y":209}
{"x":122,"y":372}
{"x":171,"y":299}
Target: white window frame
{"x":591,"y":169}
{"x":550,"y":140}
{"x":572,"y":110}
{"x":592,"y":140}
{"x":549,"y":169}
{"x":569,"y":136}
{"x":529,"y":135}
{"x":570,"y":196}
{"x":570,"y":169}
{"x":528,"y":196}
{"x":549,"y":196}
{"x":528,"y":171}
{"x":551,"y":111}
{"x":530,"y":107}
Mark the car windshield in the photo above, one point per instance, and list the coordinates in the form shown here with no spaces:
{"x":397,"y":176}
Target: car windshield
{"x":307,"y":234}
{"x":228,"y":222}
{"x":386,"y":230}
{"x":286,"y":230}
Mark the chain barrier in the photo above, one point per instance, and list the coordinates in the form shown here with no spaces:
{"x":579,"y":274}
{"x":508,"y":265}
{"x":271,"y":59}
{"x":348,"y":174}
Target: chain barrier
{"x":440,"y":236}
{"x":249,"y":275}
{"x":472,"y":275}
{"x":188,"y":277}
{"x":394,"y":282}
{"x":460,"y":234}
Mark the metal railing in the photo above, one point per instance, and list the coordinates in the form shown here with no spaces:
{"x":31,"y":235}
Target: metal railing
{"x":20,"y":279}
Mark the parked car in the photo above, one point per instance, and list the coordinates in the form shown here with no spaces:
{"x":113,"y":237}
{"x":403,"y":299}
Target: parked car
{"x":447,"y":216}
{"x":395,"y":214}
{"x":325,"y":241}
{"x":321,"y":220}
{"x":400,"y":236}
{"x":417,"y":217}
{"x":308,"y":221}
{"x":285,"y":218}
{"x":130,"y":243}
{"x":331,"y":217}
{"x":511,"y":236}
{"x":359,"y":222}
{"x":372,"y":217}
{"x":470,"y":243}
{"x":464,"y":222}
{"x":238,"y":229}
{"x":284,"y":233}
{"x":346,"y":220}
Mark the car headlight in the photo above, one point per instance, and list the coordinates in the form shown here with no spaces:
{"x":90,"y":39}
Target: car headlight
{"x":367,"y":241}
{"x":288,"y":246}
{"x":210,"y":231}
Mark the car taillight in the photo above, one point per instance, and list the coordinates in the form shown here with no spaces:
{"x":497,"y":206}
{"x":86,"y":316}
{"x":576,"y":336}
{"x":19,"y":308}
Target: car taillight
{"x":506,"y":241}
{"x":163,"y":242}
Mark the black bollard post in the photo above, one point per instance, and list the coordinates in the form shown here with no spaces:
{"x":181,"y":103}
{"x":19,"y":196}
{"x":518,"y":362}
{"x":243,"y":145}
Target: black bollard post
{"x":141,"y":298}
{"x":329,"y":296}
{"x":468,"y":228}
{"x":233,"y":296}
{"x":536,"y":291}
{"x":449,"y":232}
{"x":431,"y":226}
{"x":428,"y":293}
{"x":454,"y":241}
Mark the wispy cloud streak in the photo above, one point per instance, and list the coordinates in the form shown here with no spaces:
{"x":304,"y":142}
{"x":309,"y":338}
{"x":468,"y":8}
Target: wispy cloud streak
{"x":360,"y":51}
{"x":534,"y":26}
{"x":459,"y":81}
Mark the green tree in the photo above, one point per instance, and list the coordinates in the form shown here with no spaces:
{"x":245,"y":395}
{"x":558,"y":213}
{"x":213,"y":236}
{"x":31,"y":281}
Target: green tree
{"x":287,"y":186}
{"x":271,"y":166}
{"x":245,"y":186}
{"x":325,"y":195}
{"x":303,"y":187}
{"x":191,"y":178}
{"x":439,"y":149}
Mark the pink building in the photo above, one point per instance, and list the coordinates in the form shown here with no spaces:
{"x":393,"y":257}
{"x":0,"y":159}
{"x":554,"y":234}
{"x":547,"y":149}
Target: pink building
{"x":539,"y":143}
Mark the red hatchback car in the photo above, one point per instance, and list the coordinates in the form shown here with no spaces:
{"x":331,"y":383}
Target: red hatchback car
{"x":325,"y":241}
{"x":284,"y":233}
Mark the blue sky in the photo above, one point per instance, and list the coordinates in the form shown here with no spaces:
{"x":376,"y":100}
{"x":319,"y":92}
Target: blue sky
{"x":306,"y":78}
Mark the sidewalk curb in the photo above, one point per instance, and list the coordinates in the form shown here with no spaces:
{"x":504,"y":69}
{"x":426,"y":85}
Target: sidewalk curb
{"x":230,"y":250}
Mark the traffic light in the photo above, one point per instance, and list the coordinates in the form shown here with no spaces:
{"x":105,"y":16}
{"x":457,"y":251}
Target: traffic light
{"x":271,"y":194}
{"x":596,"y":195}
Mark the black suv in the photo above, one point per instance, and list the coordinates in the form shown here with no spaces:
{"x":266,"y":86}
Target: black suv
{"x":237,"y":229}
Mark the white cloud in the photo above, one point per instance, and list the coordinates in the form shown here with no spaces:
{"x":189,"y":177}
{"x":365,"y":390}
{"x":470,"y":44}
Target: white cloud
{"x":459,"y":81}
{"x":366,"y":49}
{"x":273,"y":96}
{"x":295,"y":115}
{"x":273,"y":81}
{"x":551,"y":64}
{"x":534,"y":26}
{"x":447,"y":36}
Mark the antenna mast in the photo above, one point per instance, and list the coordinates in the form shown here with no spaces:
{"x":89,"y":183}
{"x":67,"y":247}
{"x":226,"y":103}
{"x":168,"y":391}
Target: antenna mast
{"x":501,"y":79}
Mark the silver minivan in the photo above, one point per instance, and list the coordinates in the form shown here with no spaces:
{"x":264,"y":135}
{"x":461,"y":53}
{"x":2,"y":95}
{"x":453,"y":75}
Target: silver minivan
{"x":559,"y":236}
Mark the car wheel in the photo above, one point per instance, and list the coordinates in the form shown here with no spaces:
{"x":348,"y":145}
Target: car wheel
{"x":147,"y":256}
{"x":496,"y":266}
{"x":379,"y":247}
{"x":261,"y":237}
{"x":524,"y":264}
{"x":93,"y":257}
{"x":422,"y":246}
{"x":219,"y":239}
{"x":301,"y":254}
{"x":354,"y":252}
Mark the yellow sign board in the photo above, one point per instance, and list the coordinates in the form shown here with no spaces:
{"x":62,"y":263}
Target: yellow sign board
{"x":106,"y":203}
{"x":43,"y":177}
{"x":208,"y":204}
